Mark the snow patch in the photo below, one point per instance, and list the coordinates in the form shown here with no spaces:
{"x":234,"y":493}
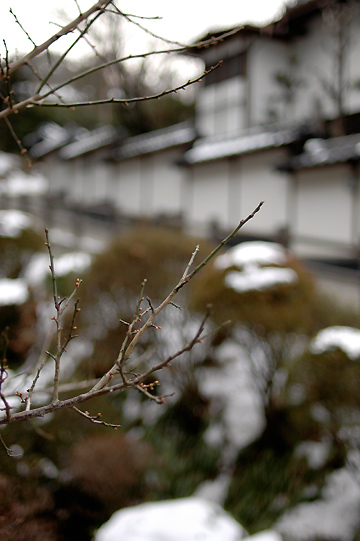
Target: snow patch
{"x":316,"y":453}
{"x":257,"y":252}
{"x":7,"y":162}
{"x":13,"y":222}
{"x":13,"y":292}
{"x":267,"y":535}
{"x":259,"y":279}
{"x":187,"y":519}
{"x":38,"y":268}
{"x":345,"y":338}
{"x":232,"y":387}
{"x":250,"y":258}
{"x":334,"y":517}
{"x":19,"y":184}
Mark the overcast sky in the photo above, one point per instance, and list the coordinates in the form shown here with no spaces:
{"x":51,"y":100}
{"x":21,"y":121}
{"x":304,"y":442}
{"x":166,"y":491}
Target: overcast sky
{"x":183,"y":21}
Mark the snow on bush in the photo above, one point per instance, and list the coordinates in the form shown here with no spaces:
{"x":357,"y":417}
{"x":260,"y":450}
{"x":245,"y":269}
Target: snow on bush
{"x":186,"y":519}
{"x":250,"y":258}
{"x":345,"y":338}
{"x":13,"y":292}
{"x":13,"y":222}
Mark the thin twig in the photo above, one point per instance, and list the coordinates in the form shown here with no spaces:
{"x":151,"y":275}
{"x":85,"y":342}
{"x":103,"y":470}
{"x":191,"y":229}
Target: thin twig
{"x":62,"y":57}
{"x":96,"y":420}
{"x":190,"y":262}
{"x":22,"y":149}
{"x":65,"y":30}
{"x":101,"y":387}
{"x":124,"y":101}
{"x":22,"y":28}
{"x":125,"y":355}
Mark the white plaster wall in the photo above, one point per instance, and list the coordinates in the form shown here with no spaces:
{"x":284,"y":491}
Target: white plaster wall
{"x":57,"y":172}
{"x":315,"y":61}
{"x":168,"y":182}
{"x":260,"y":181}
{"x":227,"y":191}
{"x":126,"y":186}
{"x":149,"y":185}
{"x":324,"y":205}
{"x":317,"y":64}
{"x":208,"y":196}
{"x":78,"y":178}
{"x":265,"y":58}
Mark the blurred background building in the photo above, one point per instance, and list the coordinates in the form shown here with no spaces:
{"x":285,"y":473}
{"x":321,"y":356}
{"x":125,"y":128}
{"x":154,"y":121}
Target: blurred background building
{"x":278,"y":121}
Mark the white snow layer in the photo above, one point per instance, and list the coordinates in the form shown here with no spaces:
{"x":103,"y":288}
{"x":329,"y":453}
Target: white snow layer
{"x":267,"y":535}
{"x":187,"y":519}
{"x":38,"y":267}
{"x":257,"y":252}
{"x":258,"y":279}
{"x":345,"y":338}
{"x":13,"y":292}
{"x":12,"y":222}
{"x":334,"y":517}
{"x":19,"y":184}
{"x":233,"y":388}
{"x":251,"y":257}
{"x":7,"y":162}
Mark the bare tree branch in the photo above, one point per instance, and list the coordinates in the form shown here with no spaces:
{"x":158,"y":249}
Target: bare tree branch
{"x":128,"y":381}
{"x":65,"y":30}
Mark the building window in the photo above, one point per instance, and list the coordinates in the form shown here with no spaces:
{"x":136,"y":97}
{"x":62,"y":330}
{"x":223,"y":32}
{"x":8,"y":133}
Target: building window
{"x":231,"y":67}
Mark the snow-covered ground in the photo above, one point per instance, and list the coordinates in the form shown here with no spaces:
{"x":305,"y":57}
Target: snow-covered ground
{"x":334,"y":517}
{"x":187,"y":519}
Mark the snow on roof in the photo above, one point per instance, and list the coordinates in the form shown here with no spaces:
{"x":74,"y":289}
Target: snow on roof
{"x":345,"y":338}
{"x":52,"y":136}
{"x":19,"y":183}
{"x":250,"y":256}
{"x":12,"y":223}
{"x":319,"y":152}
{"x":7,"y":162}
{"x":214,"y":148}
{"x":186,"y":519}
{"x":13,"y":291}
{"x":88,"y":141}
{"x":178,"y":134}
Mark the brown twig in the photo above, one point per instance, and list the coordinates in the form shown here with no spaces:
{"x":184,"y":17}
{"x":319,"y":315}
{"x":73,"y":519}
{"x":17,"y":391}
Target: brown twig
{"x":65,"y":30}
{"x":169,"y":299}
{"x":102,"y":386}
{"x":123,"y":101}
{"x":94,"y":419}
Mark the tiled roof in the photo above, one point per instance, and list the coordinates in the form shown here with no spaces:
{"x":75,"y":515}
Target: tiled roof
{"x":88,"y":141}
{"x":319,"y":152}
{"x":71,"y":141}
{"x":154,"y":141}
{"x":215,"y":148}
{"x":52,"y":136}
